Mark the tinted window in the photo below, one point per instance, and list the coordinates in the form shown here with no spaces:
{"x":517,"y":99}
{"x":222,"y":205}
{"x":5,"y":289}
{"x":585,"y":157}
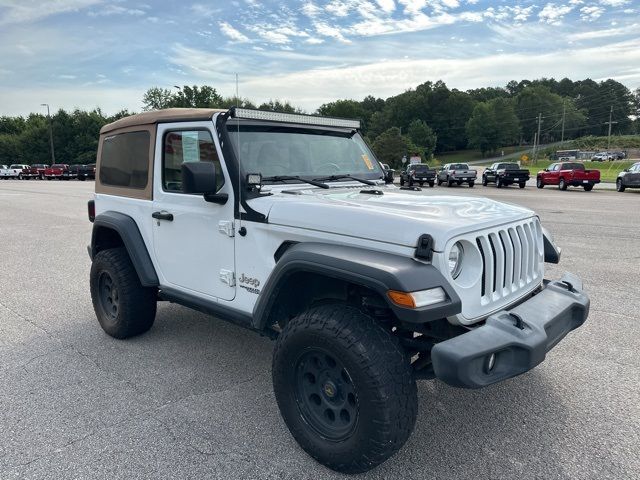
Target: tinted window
{"x":421,"y":168}
{"x":459,"y":166}
{"x":573,"y":166}
{"x":125,"y":160}
{"x":187,"y":146}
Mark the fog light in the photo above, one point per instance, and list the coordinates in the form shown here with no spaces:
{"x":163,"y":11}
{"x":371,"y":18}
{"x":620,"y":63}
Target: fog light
{"x":491,"y":362}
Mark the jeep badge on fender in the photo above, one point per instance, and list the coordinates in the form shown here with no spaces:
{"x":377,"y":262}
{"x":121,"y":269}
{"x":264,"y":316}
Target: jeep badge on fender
{"x":283,"y":223}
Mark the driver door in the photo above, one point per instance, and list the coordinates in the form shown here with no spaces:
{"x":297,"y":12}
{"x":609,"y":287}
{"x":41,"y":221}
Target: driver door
{"x":193,"y":239}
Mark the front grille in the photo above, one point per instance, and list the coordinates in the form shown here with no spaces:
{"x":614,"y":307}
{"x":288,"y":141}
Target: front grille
{"x":510,"y":258}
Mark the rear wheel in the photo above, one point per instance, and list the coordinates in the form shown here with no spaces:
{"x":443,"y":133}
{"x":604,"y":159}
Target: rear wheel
{"x":588,"y":188}
{"x":344,"y":387}
{"x":431,"y":183}
{"x":619,"y":185}
{"x":471,"y":184}
{"x":123,"y":306}
{"x":562,"y":185}
{"x":522,"y":184}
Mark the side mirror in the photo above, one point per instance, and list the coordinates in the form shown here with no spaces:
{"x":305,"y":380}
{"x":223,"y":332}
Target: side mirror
{"x":198,"y":177}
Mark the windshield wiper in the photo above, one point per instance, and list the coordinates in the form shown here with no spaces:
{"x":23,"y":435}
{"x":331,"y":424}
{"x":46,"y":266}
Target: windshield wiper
{"x":283,"y":178}
{"x":331,"y":178}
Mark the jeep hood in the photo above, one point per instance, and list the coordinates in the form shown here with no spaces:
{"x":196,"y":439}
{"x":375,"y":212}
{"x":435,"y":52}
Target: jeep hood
{"x":396,"y":216}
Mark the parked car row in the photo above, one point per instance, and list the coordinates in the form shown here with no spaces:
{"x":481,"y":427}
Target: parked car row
{"x":502,"y":174}
{"x":61,"y":171}
{"x":608,"y":156}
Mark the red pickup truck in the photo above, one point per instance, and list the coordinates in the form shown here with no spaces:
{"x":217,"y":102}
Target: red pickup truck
{"x":59,"y":171}
{"x":568,"y":174}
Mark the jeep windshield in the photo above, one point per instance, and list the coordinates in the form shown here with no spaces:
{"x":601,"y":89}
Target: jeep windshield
{"x":278,"y":151}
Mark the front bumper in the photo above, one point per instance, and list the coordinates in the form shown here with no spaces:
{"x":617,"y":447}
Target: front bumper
{"x":519,"y":338}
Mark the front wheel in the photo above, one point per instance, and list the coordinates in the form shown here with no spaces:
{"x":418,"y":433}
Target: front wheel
{"x":562,"y":185}
{"x":449,"y":183}
{"x":484,"y":180}
{"x":401,"y":182}
{"x":123,"y":306}
{"x":344,"y":387}
{"x":498,"y":183}
{"x":619,"y":185}
{"x":539,"y":183}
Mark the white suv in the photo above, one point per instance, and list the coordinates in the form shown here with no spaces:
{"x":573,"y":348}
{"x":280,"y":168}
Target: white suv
{"x":282,"y":223}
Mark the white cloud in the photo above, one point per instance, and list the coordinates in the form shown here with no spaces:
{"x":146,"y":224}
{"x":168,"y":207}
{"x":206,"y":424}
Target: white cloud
{"x":311,"y":10}
{"x":591,"y":13}
{"x":109,"y":10}
{"x":615,"y":3}
{"x":607,"y":33}
{"x":553,"y":14}
{"x":387,"y":6}
{"x":23,"y":11}
{"x":326,"y":30}
{"x":233,"y":34}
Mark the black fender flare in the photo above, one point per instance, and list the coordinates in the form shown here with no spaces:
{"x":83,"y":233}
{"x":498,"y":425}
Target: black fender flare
{"x":376,"y":270}
{"x":128,"y":231}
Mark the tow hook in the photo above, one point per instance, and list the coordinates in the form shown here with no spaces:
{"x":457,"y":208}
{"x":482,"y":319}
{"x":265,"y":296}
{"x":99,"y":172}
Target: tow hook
{"x":519,"y":323}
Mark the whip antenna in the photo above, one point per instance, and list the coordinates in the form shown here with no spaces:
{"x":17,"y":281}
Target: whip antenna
{"x":239,"y":163}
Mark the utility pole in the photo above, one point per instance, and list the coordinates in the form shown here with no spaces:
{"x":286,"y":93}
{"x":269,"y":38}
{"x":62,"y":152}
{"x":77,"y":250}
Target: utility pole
{"x":53,"y":155}
{"x":609,"y":123}
{"x":538,"y":136}
{"x":535,"y":153}
{"x":564,"y":111}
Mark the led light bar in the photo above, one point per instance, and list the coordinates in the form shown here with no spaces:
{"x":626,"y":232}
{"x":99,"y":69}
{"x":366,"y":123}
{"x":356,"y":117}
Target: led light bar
{"x":294,"y":118}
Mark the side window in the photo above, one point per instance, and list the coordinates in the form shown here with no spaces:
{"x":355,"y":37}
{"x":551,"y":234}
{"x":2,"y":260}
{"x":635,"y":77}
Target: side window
{"x":125,"y":160}
{"x":187,"y":146}
{"x":556,"y":167}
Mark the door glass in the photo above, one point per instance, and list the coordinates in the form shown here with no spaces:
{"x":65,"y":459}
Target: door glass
{"x":187,"y":146}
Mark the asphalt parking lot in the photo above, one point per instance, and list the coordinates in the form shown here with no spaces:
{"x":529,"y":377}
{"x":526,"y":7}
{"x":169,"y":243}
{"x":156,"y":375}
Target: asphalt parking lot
{"x":192,"y":398}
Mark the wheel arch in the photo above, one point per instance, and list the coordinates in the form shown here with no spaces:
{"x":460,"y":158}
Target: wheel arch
{"x":308,"y":272}
{"x":114,"y":229}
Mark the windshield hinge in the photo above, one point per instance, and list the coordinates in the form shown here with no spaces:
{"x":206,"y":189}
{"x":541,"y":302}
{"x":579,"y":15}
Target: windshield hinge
{"x":226,"y":227}
{"x":228,"y":277}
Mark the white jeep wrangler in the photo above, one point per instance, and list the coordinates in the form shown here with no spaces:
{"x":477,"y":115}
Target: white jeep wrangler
{"x":282,"y":223}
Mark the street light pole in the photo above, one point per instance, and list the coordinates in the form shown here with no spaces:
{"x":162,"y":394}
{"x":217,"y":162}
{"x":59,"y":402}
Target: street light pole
{"x":53,"y":155}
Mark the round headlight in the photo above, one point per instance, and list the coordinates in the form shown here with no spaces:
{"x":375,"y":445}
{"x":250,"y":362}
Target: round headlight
{"x":455,"y":260}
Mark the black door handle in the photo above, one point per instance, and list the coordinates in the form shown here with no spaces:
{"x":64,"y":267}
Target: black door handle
{"x":163,"y":216}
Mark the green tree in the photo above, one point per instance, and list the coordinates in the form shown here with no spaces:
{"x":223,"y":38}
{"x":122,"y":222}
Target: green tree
{"x":196,"y":97}
{"x":279,"y":106}
{"x":390,"y":146}
{"x":482,"y":129}
{"x":423,"y":137}
{"x":157,"y":98}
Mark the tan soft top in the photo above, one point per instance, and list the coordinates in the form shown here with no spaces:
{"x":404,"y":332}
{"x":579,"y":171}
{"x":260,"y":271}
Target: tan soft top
{"x":166,"y":116}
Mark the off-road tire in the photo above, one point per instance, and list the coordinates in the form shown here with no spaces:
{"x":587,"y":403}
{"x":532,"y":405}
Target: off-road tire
{"x":619,"y":185}
{"x":539,"y":183}
{"x":135,"y":305}
{"x":372,"y":366}
{"x":588,"y":188}
{"x":562,"y":185}
{"x":522,"y":184}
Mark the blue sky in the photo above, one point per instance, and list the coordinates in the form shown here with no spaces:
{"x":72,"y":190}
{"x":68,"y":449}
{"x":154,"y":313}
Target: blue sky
{"x":89,"y":53}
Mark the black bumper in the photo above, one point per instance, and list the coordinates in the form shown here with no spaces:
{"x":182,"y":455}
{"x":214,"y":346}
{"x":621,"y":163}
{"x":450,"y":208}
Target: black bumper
{"x":519,"y":338}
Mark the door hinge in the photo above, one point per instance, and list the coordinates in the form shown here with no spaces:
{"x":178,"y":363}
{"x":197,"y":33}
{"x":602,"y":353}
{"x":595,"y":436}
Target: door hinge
{"x":228,"y":277}
{"x":226,"y":227}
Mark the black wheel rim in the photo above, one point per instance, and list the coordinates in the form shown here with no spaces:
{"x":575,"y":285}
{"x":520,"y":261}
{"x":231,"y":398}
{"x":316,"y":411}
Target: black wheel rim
{"x":325,"y":394}
{"x":109,"y":296}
